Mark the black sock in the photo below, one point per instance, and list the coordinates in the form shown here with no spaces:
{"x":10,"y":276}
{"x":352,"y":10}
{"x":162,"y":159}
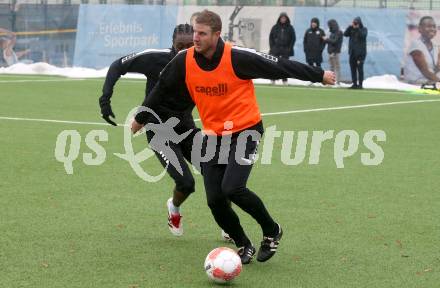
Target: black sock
{"x":275,"y":231}
{"x":242,"y":242}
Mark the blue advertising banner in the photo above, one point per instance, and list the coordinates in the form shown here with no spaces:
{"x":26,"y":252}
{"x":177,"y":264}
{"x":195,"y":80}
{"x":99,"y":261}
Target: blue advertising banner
{"x":385,"y":41}
{"x":107,"y":32}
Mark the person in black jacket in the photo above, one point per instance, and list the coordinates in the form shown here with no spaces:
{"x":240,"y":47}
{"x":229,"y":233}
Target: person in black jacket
{"x":282,"y":39}
{"x":334,"y":44}
{"x":226,"y":179}
{"x":314,"y":43}
{"x":151,"y":62}
{"x":357,"y":49}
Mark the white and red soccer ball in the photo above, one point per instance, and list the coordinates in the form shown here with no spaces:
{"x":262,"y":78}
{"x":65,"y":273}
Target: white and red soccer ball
{"x":222,"y":264}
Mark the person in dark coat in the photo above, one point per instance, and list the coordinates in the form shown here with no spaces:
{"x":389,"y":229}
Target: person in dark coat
{"x":357,"y":49}
{"x":282,"y":38}
{"x":334,"y":44}
{"x":314,"y":43}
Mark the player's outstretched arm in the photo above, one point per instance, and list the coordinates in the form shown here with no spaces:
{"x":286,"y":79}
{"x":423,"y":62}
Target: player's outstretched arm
{"x":170,"y":81}
{"x":141,"y":62}
{"x":249,"y":64}
{"x":152,"y":101}
{"x":113,"y":74}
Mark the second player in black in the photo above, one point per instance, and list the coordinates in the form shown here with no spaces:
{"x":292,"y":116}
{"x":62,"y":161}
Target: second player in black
{"x":150,"y":63}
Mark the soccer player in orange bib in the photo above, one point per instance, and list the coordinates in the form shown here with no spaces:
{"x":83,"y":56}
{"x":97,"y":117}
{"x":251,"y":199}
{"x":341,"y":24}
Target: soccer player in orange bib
{"x":217,"y":78}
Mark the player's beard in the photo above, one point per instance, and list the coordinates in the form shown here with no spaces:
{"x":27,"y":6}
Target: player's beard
{"x":200,"y":48}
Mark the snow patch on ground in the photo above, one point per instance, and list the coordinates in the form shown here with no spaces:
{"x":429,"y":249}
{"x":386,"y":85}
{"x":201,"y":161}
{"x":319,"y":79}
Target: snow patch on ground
{"x":389,"y":82}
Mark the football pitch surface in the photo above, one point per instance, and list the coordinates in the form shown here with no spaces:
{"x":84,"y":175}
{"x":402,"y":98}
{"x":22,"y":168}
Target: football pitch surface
{"x":103,"y":226}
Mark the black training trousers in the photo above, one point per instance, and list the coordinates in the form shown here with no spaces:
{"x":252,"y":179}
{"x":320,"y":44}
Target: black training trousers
{"x":357,"y":67}
{"x":184,"y":183}
{"x":225,"y":180}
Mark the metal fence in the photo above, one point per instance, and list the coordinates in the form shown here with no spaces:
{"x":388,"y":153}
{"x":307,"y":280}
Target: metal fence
{"x":47,"y":28}
{"x":408,"y":4}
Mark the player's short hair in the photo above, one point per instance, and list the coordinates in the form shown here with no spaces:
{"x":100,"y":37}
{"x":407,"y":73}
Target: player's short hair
{"x":210,"y":19}
{"x":425,"y":18}
{"x":182,"y":36}
{"x":194,"y":16}
{"x":182,"y":29}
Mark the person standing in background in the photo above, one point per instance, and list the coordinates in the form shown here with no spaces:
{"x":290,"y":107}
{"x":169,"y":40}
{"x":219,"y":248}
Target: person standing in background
{"x":314,"y":43}
{"x":357,"y":49}
{"x":282,"y":39}
{"x":334,"y":44}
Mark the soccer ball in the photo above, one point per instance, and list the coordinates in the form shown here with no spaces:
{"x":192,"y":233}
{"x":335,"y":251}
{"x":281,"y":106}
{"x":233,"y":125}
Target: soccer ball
{"x":222,"y":264}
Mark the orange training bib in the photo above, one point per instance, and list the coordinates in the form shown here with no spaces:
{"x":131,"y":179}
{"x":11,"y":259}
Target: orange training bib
{"x":226,"y":103}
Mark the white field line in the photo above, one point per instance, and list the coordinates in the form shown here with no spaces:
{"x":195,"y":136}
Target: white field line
{"x":53,"y":121}
{"x":267,"y":86}
{"x":40,"y":80}
{"x":350,"y":107}
{"x":263,"y":114}
{"x":137,"y":80}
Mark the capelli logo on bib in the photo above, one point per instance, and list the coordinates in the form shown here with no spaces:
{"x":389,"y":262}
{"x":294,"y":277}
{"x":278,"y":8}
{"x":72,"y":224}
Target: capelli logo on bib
{"x":219,"y":90}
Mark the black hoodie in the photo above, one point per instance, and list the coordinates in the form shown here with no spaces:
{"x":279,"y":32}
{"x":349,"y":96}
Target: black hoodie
{"x":357,"y":46}
{"x":314,"y":43}
{"x":334,"y":41}
{"x":282,"y":38}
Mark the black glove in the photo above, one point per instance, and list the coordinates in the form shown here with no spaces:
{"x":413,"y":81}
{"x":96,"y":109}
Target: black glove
{"x":106,"y":110}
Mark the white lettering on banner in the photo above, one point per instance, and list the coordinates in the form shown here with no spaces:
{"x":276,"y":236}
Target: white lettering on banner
{"x":130,"y":41}
{"x":120,"y":28}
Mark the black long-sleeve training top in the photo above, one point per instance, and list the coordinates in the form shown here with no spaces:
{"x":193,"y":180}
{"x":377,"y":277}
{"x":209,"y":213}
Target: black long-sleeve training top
{"x":247,"y":64}
{"x":150,"y":63}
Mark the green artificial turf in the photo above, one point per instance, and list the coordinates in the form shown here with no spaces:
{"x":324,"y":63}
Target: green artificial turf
{"x":103,"y":226}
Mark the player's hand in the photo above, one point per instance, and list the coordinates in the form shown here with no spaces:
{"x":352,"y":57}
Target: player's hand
{"x":106,"y":111}
{"x":135,"y":126}
{"x":329,"y":78}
